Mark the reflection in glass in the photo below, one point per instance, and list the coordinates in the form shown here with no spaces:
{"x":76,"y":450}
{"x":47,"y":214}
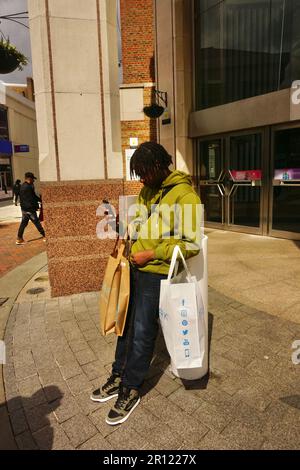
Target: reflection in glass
{"x":245,"y":206}
{"x":286,"y":208}
{"x":212,"y":200}
{"x":245,"y":152}
{"x":211,"y":164}
{"x":287,"y":149}
{"x":209,"y":168}
{"x":245,"y":48}
{"x":286,"y":199}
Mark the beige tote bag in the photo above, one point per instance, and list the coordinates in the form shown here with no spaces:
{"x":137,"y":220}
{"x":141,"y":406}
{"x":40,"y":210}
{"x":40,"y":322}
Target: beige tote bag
{"x":115,"y":292}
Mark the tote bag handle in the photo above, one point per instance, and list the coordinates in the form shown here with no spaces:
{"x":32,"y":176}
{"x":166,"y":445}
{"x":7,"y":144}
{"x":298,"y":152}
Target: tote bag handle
{"x":116,"y":251}
{"x":173,"y":263}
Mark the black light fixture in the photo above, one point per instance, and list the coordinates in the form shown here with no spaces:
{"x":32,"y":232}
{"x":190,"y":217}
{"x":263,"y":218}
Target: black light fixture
{"x":155,"y":110}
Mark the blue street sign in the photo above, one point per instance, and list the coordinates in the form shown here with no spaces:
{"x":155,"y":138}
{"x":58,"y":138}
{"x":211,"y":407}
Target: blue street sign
{"x":5,"y":147}
{"x":21,"y":148}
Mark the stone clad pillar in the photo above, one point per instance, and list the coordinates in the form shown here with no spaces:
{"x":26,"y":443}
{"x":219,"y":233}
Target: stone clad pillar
{"x":75,"y":68}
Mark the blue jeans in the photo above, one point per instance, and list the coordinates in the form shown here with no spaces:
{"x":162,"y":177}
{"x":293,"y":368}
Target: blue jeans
{"x":135,"y":348}
{"x":26,"y":216}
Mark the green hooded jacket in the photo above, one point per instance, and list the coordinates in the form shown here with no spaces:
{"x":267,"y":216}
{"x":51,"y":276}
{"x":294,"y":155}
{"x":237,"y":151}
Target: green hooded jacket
{"x":175,"y":220}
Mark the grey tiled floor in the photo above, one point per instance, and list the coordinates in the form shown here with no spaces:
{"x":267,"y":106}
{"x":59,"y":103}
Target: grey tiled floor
{"x":56,"y":356}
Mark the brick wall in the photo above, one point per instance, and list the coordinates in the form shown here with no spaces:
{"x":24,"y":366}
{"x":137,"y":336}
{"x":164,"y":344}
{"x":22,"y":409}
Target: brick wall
{"x":138,"y":67}
{"x":144,"y":130}
{"x":137,"y":41}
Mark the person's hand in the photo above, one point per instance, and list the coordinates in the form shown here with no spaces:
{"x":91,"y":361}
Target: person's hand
{"x":142,"y":257}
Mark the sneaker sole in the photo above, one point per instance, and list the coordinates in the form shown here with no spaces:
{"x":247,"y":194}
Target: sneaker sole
{"x":103,"y":400}
{"x":113,"y":423}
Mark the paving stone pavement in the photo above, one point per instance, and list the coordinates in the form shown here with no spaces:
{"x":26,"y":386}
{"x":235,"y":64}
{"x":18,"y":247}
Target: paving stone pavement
{"x":13,"y":255}
{"x":56,"y":356}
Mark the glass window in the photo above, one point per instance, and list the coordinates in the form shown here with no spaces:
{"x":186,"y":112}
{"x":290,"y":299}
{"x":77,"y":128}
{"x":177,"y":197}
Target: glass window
{"x":211,"y":165}
{"x":245,"y":48}
{"x":3,"y":124}
{"x":286,"y":199}
{"x":245,"y":152}
{"x":287,"y":149}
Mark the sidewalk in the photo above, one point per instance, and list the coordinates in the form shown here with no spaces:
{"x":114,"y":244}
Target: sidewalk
{"x":257,"y":271}
{"x":56,"y":356}
{"x":12,"y":255}
{"x":9,"y":212}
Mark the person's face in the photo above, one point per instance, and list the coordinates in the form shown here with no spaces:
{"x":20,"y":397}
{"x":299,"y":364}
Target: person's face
{"x":153,"y":178}
{"x":30,"y":180}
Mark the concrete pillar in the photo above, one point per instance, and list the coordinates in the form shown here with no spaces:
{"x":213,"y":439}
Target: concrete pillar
{"x":75,"y":69}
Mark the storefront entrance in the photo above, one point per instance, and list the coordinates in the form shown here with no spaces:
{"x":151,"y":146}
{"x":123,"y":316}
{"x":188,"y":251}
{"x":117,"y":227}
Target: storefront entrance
{"x":250,"y":181}
{"x":285,"y":191}
{"x":6,"y":182}
{"x":231,"y":181}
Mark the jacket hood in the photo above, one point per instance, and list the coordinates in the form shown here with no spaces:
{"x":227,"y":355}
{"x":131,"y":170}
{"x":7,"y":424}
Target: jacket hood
{"x":177,"y":177}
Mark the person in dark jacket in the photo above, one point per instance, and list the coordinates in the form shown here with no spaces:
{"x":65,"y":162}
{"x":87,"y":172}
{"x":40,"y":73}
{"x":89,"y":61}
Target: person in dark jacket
{"x":16,"y":191}
{"x":29,"y":205}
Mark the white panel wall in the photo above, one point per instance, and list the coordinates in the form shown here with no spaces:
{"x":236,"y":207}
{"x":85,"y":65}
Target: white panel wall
{"x":75,"y":115}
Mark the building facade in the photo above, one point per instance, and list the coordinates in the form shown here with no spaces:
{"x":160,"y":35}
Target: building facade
{"x":85,"y":125}
{"x":18,"y":136}
{"x":231,"y":70}
{"x":233,"y":119}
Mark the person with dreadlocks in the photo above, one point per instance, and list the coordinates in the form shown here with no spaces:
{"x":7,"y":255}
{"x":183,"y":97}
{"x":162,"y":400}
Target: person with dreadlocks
{"x":150,"y":261}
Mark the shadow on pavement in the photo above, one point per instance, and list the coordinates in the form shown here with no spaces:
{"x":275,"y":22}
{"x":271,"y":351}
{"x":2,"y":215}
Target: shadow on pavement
{"x":34,"y":239}
{"x":31,"y":415}
{"x":160,"y":364}
{"x":4,"y":224}
{"x":297,"y":243}
{"x":293,"y":401}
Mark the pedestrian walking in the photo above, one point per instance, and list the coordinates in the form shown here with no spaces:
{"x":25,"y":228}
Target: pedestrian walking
{"x":150,"y":262}
{"x":29,"y":202}
{"x":16,"y":191}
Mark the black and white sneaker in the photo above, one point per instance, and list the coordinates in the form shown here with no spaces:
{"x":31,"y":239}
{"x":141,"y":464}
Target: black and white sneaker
{"x":127,"y":401}
{"x":108,"y":391}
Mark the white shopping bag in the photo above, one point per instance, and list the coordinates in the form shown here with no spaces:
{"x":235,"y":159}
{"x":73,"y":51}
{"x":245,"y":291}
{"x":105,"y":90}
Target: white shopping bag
{"x":181,"y":313}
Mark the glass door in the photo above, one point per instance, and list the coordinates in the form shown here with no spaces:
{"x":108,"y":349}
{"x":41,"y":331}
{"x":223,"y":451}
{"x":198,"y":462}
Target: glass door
{"x":6,"y":182}
{"x":285,"y":191}
{"x":210,"y":172}
{"x":244,"y":169}
{"x":230,"y":181}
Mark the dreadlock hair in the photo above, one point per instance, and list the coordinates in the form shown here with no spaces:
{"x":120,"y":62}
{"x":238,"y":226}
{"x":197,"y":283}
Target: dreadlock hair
{"x":149,"y":157}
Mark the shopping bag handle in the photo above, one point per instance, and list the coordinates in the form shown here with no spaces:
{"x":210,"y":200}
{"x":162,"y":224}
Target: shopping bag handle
{"x":118,"y":252}
{"x":177,"y":251}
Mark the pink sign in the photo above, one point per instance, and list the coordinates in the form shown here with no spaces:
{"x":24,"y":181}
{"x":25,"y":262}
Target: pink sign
{"x":246,"y":175}
{"x":287,"y":174}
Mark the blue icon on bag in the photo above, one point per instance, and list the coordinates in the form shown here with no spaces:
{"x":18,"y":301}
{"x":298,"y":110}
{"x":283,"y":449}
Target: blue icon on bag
{"x":185,"y":332}
{"x":186,"y":342}
{"x":184,"y":323}
{"x":187,"y":353}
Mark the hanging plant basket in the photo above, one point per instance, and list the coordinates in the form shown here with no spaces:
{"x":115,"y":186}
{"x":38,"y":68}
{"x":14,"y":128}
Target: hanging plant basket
{"x":153,"y":111}
{"x":10,"y":58}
